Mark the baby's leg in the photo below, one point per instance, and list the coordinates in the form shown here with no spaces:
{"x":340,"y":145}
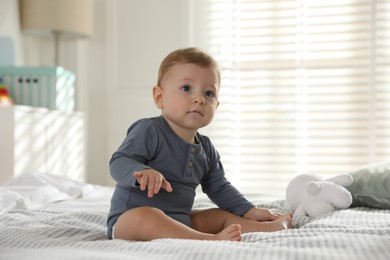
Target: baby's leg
{"x":215,"y":220}
{"x":147,"y":223}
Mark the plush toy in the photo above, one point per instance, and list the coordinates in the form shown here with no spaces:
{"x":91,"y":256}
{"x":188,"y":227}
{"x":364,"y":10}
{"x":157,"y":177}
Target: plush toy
{"x":312,"y":196}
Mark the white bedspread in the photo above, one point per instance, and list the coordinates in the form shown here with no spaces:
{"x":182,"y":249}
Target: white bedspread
{"x":76,"y":229}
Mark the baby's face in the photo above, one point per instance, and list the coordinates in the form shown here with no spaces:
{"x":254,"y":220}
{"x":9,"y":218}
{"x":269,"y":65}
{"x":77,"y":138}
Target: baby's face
{"x":189,"y":96}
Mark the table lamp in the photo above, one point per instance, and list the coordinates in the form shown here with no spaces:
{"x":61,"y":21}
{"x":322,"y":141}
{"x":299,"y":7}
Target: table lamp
{"x":58,"y":18}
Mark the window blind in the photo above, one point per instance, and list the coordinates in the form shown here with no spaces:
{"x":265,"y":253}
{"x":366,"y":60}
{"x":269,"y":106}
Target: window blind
{"x":305,"y":88}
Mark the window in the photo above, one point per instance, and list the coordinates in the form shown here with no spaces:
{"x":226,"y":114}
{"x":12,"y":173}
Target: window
{"x":305,"y":88}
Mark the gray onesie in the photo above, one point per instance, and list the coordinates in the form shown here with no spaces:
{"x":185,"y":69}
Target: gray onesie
{"x":151,"y":143}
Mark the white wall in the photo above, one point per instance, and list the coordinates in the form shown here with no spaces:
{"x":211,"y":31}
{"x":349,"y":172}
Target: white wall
{"x":130,"y":39}
{"x":116,"y":68}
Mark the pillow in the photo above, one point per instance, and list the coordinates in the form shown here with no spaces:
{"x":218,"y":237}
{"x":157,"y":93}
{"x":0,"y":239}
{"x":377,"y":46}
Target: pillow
{"x":32,"y":190}
{"x":371,"y":186}
{"x":36,"y":189}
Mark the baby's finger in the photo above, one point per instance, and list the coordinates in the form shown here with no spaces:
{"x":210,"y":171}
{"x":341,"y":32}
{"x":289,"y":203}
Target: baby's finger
{"x":166,"y":185}
{"x":277,"y":214}
{"x":143,"y":182}
{"x":151,"y":185}
{"x":138,"y":176}
{"x":157,"y":186}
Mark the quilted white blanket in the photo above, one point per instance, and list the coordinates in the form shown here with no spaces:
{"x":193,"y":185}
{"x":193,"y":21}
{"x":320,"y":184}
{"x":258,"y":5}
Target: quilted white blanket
{"x":76,"y":229}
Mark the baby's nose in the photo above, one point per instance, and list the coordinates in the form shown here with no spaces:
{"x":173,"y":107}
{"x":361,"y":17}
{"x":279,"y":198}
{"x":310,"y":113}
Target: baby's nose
{"x":199,"y":98}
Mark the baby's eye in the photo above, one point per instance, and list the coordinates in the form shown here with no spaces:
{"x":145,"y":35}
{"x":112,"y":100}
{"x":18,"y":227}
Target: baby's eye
{"x":186,"y":88}
{"x":209,"y":93}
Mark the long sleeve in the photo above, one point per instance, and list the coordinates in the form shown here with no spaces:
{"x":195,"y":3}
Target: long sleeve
{"x":220,"y":190}
{"x":136,"y":150}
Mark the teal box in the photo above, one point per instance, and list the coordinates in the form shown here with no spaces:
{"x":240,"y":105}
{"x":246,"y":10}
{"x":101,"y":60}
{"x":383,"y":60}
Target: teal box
{"x":50,"y":87}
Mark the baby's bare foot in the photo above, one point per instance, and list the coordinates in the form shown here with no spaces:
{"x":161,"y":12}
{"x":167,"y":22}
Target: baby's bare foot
{"x":232,"y":232}
{"x":284,"y":222}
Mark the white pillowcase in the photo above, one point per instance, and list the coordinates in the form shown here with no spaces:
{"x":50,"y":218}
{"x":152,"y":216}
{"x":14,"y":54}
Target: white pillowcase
{"x":36,"y":189}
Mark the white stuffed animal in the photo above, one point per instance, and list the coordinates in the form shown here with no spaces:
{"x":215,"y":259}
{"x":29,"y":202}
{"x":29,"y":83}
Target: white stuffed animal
{"x":309,"y":195}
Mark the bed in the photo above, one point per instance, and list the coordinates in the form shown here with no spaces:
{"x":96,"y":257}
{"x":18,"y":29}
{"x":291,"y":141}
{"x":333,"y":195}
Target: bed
{"x":50,"y":217}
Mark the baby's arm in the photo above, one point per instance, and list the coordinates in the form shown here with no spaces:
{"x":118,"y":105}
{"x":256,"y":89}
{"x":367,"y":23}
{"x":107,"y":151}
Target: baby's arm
{"x":153,"y":180}
{"x":136,"y":150}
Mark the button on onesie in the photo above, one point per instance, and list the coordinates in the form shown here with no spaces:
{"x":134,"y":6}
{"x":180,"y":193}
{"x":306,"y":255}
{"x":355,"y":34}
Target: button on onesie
{"x":191,"y":164}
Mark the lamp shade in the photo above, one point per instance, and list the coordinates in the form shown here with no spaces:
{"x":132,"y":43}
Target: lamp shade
{"x":70,"y":18}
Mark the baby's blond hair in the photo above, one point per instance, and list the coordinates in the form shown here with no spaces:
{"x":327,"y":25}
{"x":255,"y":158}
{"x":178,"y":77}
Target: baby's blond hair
{"x":188,"y":55}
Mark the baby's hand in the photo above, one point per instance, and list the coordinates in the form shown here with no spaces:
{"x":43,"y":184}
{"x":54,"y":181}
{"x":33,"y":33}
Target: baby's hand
{"x":152,"y":179}
{"x":262,"y":214}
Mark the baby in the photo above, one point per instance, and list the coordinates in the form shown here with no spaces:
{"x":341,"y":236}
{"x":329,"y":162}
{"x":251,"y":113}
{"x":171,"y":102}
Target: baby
{"x":163,"y":159}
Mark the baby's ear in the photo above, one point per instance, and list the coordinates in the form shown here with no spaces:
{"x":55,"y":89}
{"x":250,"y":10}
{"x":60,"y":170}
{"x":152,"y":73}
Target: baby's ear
{"x":157,"y":96}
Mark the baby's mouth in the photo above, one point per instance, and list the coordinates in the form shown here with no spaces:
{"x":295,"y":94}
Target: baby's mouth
{"x":196,"y":112}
